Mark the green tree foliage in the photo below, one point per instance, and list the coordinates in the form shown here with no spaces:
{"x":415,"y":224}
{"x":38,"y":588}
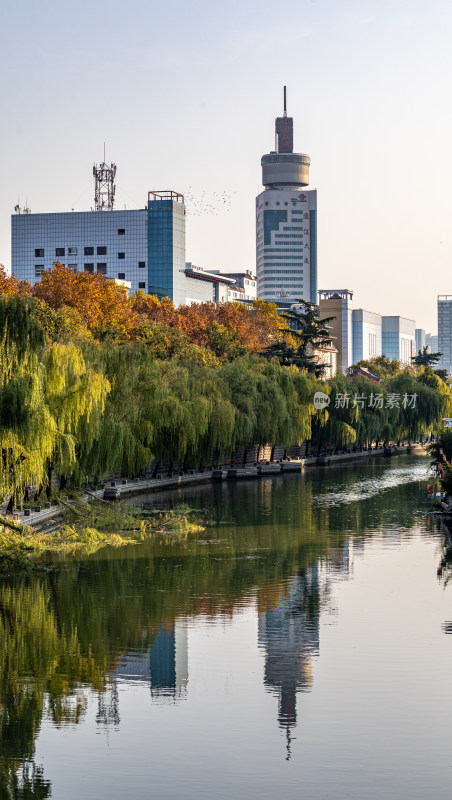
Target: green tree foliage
{"x":48,"y":399}
{"x":425,"y":359}
{"x":190,"y":412}
{"x":308,"y":333}
{"x":404,"y":406}
{"x":71,"y":404}
{"x":443,"y":442}
{"x":443,"y":374}
{"x":381,"y":366}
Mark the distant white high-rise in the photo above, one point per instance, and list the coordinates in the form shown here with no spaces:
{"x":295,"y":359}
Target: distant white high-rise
{"x":286,"y":222}
{"x":420,"y":339}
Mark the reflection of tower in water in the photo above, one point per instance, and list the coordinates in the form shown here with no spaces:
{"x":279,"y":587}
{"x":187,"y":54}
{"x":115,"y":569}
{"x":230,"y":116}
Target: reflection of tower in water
{"x":289,"y":634}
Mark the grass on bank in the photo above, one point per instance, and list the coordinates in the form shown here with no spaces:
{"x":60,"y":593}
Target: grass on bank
{"x":89,"y":526}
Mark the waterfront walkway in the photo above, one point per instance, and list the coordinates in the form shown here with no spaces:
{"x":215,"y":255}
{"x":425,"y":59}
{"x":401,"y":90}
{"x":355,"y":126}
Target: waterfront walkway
{"x":48,"y":518}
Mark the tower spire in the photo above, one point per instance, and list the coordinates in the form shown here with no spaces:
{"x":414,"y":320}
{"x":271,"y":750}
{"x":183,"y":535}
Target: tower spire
{"x":284,"y":130}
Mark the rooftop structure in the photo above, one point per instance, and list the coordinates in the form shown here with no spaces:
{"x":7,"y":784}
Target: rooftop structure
{"x":282,"y":168}
{"x":104,"y":178}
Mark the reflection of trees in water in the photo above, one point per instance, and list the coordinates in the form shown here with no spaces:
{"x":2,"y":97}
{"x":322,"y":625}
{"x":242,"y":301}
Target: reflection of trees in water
{"x":65,"y":633}
{"x":444,"y":571}
{"x":26,"y":782}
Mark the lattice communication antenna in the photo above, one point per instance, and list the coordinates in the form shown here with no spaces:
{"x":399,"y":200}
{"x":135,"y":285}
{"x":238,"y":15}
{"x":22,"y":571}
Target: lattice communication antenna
{"x":104,"y":178}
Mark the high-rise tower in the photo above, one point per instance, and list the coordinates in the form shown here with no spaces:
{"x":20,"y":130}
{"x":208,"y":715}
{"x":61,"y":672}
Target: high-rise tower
{"x":286,"y":222}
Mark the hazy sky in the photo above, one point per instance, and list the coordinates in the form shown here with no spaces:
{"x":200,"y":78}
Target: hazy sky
{"x":185,"y":95}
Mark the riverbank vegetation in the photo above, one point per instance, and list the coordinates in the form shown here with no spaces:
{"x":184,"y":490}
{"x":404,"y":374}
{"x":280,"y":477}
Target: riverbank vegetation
{"x":90,"y":526}
{"x":92,"y":381}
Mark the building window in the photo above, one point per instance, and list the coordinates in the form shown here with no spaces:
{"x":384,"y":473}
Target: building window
{"x":38,"y":270}
{"x":142,"y":264}
{"x":142,"y":285}
{"x":59,"y":251}
{"x":121,"y":231}
{"x":121,"y":276}
{"x":88,"y":251}
{"x":121,"y":255}
{"x":39,"y":253}
{"x":101,"y":251}
{"x":272,"y":220}
{"x":72,"y":251}
{"x":73,"y":267}
{"x":102,"y":268}
{"x":89,"y":267}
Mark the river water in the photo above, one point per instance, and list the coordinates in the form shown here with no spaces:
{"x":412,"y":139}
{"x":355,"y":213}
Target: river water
{"x":298,"y":647}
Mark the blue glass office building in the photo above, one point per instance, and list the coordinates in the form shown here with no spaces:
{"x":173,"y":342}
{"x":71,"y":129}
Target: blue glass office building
{"x":166,"y":246}
{"x":143,"y":247}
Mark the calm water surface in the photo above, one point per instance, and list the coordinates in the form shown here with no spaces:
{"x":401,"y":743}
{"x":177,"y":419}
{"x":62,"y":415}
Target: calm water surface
{"x":298,"y":647}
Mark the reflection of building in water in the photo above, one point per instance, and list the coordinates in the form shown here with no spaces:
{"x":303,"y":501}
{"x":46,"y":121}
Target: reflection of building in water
{"x":169,"y":661}
{"x":164,"y":666}
{"x":339,"y":561}
{"x":289,"y":634}
{"x":108,"y":707}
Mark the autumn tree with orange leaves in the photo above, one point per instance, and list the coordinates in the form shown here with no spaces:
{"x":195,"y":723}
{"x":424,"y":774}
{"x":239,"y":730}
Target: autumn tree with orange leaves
{"x":227,"y":330}
{"x":102,"y":304}
{"x":12,"y":286}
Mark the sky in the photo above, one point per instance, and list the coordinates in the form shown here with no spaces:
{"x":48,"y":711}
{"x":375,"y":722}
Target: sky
{"x":184,"y":94}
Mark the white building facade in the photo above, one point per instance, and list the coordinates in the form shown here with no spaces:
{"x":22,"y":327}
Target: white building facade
{"x":286,"y":245}
{"x":367,"y":335}
{"x":420,"y":339}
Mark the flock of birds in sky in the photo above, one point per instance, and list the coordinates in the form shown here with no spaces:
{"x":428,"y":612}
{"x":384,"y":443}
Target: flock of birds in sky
{"x":206,"y":203}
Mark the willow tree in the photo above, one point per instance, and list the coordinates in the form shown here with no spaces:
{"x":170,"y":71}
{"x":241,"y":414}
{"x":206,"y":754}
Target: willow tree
{"x":422,"y":401}
{"x":273,"y":404}
{"x":48,"y":398}
{"x":75,"y":395}
{"x":336,"y":424}
{"x":26,"y":427}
